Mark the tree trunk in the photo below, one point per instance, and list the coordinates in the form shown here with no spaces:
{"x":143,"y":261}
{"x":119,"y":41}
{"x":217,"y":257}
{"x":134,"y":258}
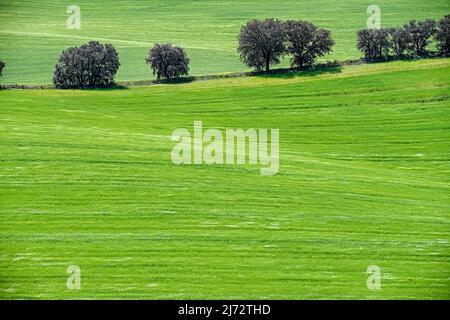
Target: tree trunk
{"x":267,"y":65}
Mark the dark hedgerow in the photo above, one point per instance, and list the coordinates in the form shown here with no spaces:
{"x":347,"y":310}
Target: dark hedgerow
{"x":420,"y":34}
{"x":167,"y":61}
{"x":91,"y":65}
{"x":374,"y":43}
{"x":2,"y":66}
{"x":306,"y":42}
{"x":409,"y":41}
{"x":443,"y":36}
{"x":262,"y":43}
{"x":400,"y":41}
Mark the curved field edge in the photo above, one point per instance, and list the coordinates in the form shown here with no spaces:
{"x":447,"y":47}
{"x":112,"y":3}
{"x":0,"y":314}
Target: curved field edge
{"x":86,"y":179}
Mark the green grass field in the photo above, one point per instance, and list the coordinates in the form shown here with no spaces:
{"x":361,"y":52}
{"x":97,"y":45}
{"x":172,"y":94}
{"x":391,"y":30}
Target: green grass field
{"x":86,"y":179}
{"x":33,"y":33}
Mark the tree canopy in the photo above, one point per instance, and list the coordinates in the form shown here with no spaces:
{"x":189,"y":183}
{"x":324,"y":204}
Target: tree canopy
{"x":89,"y":66}
{"x":443,"y":36}
{"x":420,"y":34}
{"x":167,"y":61}
{"x":262,"y":43}
{"x":306,"y":42}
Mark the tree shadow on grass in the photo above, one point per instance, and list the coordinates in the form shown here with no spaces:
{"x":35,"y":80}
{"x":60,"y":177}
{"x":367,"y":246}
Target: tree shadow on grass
{"x":177,"y":80}
{"x":140,"y":83}
{"x":112,"y":87}
{"x":292,"y":73}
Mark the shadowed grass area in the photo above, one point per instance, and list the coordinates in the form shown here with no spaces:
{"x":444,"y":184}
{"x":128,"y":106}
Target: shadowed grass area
{"x":306,"y":73}
{"x":87,"y":180}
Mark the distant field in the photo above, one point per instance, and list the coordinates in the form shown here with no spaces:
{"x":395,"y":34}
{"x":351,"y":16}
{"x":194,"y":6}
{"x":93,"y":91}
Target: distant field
{"x":33,"y":33}
{"x":86,"y":179}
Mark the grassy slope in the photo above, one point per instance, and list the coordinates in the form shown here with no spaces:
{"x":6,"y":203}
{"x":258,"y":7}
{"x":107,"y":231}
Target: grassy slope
{"x":86,"y":179}
{"x":33,"y":33}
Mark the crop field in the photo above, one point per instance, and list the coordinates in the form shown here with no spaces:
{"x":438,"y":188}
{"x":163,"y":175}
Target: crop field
{"x":33,"y":33}
{"x":86,"y":179}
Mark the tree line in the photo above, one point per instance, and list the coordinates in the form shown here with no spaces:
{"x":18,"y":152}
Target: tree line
{"x":410,"y":40}
{"x":262,"y":44}
{"x":94,"y":65}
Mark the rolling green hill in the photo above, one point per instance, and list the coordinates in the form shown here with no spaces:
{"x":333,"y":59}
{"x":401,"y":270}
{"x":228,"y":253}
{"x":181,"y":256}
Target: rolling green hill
{"x":86,"y":178}
{"x":33,"y":33}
